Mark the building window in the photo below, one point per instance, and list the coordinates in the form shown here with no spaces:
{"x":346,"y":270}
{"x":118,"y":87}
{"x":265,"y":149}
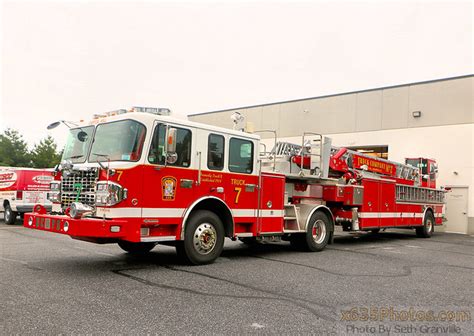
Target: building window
{"x":215,"y":152}
{"x":240,"y":156}
{"x":182,"y":156}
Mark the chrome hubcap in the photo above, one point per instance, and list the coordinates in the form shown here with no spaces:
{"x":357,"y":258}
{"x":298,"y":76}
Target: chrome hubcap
{"x":204,"y":239}
{"x":7,"y":214}
{"x":319,"y":231}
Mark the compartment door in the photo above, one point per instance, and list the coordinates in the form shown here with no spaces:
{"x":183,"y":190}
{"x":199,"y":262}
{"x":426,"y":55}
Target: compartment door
{"x":271,"y":207}
{"x":388,"y":214}
{"x":370,"y":213}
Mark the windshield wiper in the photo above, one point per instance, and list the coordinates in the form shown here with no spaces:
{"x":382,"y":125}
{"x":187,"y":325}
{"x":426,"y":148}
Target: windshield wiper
{"x":75,"y":157}
{"x":100,"y":163}
{"x":110,"y":172}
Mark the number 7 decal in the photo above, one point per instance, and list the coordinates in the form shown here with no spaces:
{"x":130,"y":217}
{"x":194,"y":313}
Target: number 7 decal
{"x":238,"y":190}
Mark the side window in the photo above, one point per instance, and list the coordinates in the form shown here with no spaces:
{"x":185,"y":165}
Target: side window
{"x":157,"y":149}
{"x":240,"y":156}
{"x":215,"y":152}
{"x":157,"y":153}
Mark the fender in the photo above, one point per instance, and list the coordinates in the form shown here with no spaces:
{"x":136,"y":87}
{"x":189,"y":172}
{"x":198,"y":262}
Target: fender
{"x":424,"y":215}
{"x":191,"y":208}
{"x":326,"y":210}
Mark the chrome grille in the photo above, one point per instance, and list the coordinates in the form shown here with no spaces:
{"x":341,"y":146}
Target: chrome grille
{"x":78,"y":179}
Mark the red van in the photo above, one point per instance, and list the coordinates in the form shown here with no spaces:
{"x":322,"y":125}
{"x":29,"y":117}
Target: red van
{"x":21,"y":189}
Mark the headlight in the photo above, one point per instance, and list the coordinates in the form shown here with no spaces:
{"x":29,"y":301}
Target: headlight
{"x":55,"y":186}
{"x":54,"y":197}
{"x":109,"y":193}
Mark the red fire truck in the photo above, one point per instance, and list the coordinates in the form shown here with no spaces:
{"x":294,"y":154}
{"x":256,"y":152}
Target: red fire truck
{"x":140,"y":177}
{"x":21,"y":189}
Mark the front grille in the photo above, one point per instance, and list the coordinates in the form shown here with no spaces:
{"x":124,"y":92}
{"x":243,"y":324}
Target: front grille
{"x":85,"y":198}
{"x":78,"y":180}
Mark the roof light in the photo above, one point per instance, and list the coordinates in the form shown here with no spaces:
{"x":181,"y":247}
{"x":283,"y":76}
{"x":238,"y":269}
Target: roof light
{"x":110,"y":113}
{"x":153,"y":110}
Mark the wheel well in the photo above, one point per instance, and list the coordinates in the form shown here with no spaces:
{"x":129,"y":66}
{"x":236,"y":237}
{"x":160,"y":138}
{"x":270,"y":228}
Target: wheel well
{"x":220,"y":209}
{"x":428,"y":210}
{"x":5,"y":203}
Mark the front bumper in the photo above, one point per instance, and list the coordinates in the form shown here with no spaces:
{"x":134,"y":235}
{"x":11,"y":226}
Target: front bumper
{"x":91,"y":229}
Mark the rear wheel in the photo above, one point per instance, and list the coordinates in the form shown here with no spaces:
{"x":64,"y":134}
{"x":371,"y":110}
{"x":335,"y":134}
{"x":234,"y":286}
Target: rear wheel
{"x":427,"y":229}
{"x":317,"y":234}
{"x":9,"y":215}
{"x":203,"y":238}
{"x":136,"y":248}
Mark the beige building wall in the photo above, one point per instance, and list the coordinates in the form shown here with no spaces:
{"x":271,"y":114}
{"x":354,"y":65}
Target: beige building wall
{"x":443,"y":102}
{"x":444,"y":131}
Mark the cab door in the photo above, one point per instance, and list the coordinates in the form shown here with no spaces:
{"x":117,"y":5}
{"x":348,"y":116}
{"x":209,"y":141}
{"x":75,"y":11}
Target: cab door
{"x":169,"y":180}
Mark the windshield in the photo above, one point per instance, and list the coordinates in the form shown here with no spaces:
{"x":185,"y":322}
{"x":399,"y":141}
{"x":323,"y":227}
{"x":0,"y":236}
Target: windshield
{"x":118,"y":141}
{"x":77,"y":144}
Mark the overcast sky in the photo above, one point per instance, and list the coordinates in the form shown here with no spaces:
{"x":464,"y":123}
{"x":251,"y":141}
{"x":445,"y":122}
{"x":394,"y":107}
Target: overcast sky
{"x":71,"y":59}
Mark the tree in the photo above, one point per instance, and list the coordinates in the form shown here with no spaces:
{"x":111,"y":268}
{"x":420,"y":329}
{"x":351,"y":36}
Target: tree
{"x":13,"y":149}
{"x":44,"y":154}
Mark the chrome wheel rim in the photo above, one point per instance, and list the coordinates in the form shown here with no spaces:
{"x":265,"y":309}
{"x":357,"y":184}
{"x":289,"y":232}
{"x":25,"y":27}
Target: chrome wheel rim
{"x":318,"y":231}
{"x":429,"y":225}
{"x":7,"y":214}
{"x":205,"y":238}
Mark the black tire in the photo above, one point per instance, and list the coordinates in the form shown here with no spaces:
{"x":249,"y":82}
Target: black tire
{"x":375,"y":230}
{"x":136,"y":248}
{"x":427,"y":229}
{"x":9,"y":215}
{"x":317,"y":234}
{"x":203,"y":239}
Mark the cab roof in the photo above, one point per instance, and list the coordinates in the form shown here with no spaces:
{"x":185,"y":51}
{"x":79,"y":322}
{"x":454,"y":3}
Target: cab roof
{"x":150,"y":118}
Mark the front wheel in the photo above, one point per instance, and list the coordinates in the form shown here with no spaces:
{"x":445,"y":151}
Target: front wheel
{"x":203,"y":238}
{"x":136,"y":248}
{"x":427,"y":229}
{"x":9,"y":215}
{"x":317,"y":234}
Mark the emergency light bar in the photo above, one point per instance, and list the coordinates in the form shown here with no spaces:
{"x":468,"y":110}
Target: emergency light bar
{"x":111,"y":113}
{"x":153,"y":110}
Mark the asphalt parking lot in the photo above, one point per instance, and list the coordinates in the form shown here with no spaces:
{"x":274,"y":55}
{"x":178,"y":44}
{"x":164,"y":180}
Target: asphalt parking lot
{"x":51,"y":284}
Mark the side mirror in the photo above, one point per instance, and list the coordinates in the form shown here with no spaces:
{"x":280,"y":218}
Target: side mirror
{"x":53,"y":125}
{"x":171,"y":142}
{"x":82,"y":136}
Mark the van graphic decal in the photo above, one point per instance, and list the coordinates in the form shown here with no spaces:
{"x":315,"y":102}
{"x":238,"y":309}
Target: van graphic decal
{"x":42,"y":179}
{"x":7,"y":179}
